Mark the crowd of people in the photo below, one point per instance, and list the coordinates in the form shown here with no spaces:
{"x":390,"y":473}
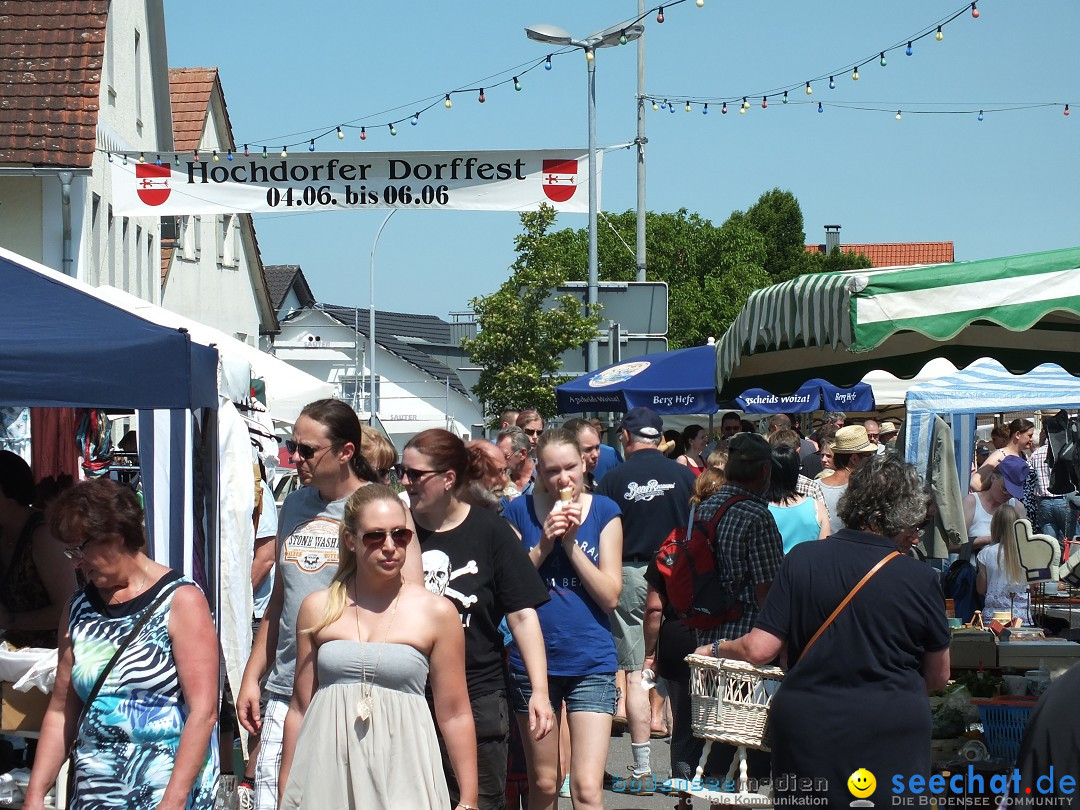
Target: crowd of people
{"x":419,"y":621}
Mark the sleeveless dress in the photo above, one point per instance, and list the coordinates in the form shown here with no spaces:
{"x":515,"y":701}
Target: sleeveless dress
{"x":797,"y":524}
{"x":127,"y":743}
{"x":22,"y":590}
{"x":389,"y":762}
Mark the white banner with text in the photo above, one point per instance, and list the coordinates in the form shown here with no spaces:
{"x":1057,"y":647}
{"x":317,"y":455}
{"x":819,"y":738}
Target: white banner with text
{"x":267,"y":182}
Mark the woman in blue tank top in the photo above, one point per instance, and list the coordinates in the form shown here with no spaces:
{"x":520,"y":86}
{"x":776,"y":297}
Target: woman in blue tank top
{"x":798,"y":517}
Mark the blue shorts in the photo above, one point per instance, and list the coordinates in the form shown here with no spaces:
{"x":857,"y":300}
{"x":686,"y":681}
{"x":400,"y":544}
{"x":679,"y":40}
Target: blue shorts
{"x":582,"y":693}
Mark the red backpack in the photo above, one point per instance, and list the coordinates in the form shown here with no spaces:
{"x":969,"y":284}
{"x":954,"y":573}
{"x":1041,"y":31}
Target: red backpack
{"x":696,"y":591}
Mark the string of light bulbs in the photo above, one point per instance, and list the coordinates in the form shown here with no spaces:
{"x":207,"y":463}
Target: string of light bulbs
{"x":898,"y":110}
{"x":363,"y":124}
{"x":907,"y":44}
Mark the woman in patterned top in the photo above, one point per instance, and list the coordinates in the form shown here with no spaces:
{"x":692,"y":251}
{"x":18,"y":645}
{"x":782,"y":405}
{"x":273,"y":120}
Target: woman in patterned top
{"x":148,"y":739}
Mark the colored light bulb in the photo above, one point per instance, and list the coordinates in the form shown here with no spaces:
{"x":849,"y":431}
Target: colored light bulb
{"x":974,"y":11}
{"x":764,"y":102}
{"x":517,"y":84}
{"x":909,"y":51}
{"x":705,"y":110}
{"x":311,"y":145}
{"x":176,"y":160}
{"x":939,"y":36}
{"x":809,"y":89}
{"x":415,"y":119}
{"x":660,"y":15}
{"x":264,"y":152}
{"x":980,"y":115}
{"x":622,"y":38}
{"x":688,"y":106}
{"x":723,"y":109}
{"x":655,"y":106}
{"x":448,"y":103}
{"x":785,"y":97}
{"x":393,"y":131}
{"x":898,"y":115}
{"x":832,"y":83}
{"x":481,"y":98}
{"x":284,"y":152}
{"x":197,"y":156}
{"x":1066,"y":111}
{"x":547,"y":62}
{"x":589,"y":55}
{"x":340,"y":134}
{"x":158,"y":161}
{"x":142,"y":157}
{"x":229,"y":155}
{"x":855,"y":75}
{"x":820,"y":108}
{"x":363,"y":133}
{"x":247,"y":151}
{"x":882,"y":62}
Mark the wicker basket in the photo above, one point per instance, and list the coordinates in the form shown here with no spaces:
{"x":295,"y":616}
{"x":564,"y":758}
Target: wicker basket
{"x":729,"y":700}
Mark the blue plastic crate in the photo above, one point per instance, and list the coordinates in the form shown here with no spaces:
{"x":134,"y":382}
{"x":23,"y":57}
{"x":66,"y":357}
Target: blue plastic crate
{"x":1003,"y":722}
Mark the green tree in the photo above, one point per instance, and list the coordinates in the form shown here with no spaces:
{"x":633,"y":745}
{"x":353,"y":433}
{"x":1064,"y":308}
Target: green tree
{"x":521,"y":335}
{"x":778,"y":218}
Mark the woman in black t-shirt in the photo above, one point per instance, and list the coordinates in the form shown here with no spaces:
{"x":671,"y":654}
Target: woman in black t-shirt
{"x":856,"y":699}
{"x":473,"y":558}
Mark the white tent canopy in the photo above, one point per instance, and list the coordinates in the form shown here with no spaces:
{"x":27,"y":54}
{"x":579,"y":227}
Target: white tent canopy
{"x":983,"y":387}
{"x":892,"y":390}
{"x":288,"y":389}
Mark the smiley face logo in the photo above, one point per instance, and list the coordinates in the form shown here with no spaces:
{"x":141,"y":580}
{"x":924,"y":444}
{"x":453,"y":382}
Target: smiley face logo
{"x":862,"y":784}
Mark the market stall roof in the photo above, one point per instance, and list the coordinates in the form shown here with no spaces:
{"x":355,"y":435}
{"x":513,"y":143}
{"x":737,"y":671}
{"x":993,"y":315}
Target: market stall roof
{"x":840,"y":326}
{"x":985,"y":386}
{"x":678,"y":381}
{"x":288,"y":389}
{"x":61,"y":346}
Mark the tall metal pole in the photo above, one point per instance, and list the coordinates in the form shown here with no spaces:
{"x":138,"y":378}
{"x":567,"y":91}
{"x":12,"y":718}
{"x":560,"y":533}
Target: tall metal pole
{"x":641,"y":141}
{"x":371,"y":318}
{"x":594,"y":270}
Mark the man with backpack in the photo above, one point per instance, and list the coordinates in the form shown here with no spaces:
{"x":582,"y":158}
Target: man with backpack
{"x":654,"y":494}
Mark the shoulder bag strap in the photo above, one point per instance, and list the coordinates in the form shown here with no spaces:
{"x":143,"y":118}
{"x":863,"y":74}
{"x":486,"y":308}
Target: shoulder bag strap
{"x":139,"y":625}
{"x":851,"y":595}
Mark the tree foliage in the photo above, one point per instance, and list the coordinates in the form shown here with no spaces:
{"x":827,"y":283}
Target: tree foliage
{"x":521,"y":335}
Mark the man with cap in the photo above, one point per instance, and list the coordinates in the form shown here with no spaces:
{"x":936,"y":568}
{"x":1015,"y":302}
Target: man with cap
{"x":749,"y":549}
{"x":851,"y":448}
{"x":654,"y":494}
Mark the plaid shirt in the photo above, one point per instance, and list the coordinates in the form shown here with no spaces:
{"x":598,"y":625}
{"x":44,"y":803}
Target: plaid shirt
{"x":1042,"y":473}
{"x":749,"y":544}
{"x":810,"y":488}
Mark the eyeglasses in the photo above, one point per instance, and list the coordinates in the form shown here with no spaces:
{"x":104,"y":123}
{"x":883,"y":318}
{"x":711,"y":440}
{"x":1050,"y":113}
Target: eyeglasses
{"x":401,"y":537}
{"x":533,"y":431}
{"x":873,"y":436}
{"x":418,"y":475}
{"x":305,"y":451}
{"x":77,"y":552}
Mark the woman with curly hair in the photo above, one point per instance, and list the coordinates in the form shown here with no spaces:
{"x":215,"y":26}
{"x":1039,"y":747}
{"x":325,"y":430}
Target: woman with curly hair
{"x":856,"y":696}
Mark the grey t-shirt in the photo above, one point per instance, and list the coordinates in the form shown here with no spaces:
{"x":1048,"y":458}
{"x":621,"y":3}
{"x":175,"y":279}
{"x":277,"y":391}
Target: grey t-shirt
{"x":832,"y":498}
{"x":307,"y":559}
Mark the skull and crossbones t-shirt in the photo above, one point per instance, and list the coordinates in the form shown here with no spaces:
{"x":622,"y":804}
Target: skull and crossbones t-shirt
{"x":485,"y":572}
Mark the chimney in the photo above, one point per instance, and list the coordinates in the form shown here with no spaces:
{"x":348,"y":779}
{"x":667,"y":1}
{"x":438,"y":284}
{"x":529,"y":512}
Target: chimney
{"x":832,"y":238}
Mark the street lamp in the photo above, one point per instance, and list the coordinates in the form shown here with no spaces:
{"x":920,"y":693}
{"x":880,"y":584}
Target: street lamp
{"x":609,"y":37}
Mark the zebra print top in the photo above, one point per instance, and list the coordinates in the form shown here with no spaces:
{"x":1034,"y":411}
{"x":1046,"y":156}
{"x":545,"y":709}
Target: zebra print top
{"x":128,"y":740}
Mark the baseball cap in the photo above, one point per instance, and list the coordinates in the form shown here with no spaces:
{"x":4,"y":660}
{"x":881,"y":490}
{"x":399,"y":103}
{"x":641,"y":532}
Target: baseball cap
{"x":749,"y":447}
{"x":642,"y":422}
{"x":1015,"y":471}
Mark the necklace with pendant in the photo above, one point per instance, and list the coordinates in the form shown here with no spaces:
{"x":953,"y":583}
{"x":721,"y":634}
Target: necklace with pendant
{"x":365,"y":704}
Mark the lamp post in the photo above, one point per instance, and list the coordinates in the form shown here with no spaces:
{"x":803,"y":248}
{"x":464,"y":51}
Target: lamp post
{"x":609,"y":37}
{"x":371,"y":317}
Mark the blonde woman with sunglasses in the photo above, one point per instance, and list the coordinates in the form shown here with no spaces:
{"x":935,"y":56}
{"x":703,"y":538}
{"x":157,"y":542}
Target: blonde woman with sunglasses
{"x":359,"y":732}
{"x":326,"y":449}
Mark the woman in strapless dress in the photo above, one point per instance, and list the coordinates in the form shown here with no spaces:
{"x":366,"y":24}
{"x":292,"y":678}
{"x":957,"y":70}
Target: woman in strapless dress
{"x":359,"y":733}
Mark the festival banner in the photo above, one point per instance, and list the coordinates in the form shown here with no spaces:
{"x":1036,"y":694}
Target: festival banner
{"x":152,"y":185}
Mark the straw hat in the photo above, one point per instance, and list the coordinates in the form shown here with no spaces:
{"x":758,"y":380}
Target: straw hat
{"x":852,"y":439}
{"x":887,"y":427}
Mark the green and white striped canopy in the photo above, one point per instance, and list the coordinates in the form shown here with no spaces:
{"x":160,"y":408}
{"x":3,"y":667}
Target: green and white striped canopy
{"x":1021,"y":310}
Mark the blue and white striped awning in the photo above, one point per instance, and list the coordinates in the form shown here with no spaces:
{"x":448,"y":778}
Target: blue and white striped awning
{"x":984,"y":387}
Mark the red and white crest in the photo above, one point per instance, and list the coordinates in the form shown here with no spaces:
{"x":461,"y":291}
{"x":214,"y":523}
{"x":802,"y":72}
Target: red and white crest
{"x":152,"y":182}
{"x":560,"y":179}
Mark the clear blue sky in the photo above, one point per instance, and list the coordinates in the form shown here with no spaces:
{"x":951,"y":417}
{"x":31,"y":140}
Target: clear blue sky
{"x":1006,"y":185}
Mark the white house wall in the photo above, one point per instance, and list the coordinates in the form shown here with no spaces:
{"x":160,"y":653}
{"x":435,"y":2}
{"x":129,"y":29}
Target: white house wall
{"x":410,"y":399}
{"x":213,"y":283}
{"x":128,"y":252}
{"x":21,"y":216}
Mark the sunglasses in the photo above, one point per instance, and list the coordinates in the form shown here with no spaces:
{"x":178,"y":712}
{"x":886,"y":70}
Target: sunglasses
{"x":533,"y":431}
{"x":401,"y":537}
{"x":77,"y":552}
{"x":417,"y":475}
{"x":305,"y":451}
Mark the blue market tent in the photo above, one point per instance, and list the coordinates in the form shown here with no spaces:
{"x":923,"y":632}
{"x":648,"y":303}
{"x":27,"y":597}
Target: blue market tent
{"x":813,"y":395}
{"x":985,"y":386}
{"x":679,"y":381}
{"x":60,"y":346}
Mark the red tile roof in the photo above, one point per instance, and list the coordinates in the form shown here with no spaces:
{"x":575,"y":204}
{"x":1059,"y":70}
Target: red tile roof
{"x":898,"y":254}
{"x":51,"y":56}
{"x":191,"y":90}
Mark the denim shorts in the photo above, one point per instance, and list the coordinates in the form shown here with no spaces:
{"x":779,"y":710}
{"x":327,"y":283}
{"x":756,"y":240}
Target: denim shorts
{"x":582,"y":693}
